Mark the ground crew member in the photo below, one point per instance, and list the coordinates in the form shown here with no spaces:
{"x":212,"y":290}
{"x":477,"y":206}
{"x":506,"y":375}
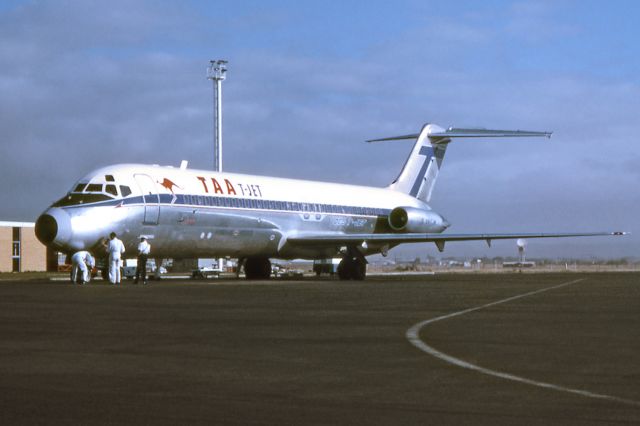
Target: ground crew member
{"x":144,"y":248}
{"x":82,"y":262}
{"x":115,"y":249}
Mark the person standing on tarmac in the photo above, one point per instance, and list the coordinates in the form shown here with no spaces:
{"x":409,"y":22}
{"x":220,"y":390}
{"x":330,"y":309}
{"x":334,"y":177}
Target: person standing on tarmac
{"x":82,"y":261}
{"x":144,"y":248}
{"x":115,"y":250}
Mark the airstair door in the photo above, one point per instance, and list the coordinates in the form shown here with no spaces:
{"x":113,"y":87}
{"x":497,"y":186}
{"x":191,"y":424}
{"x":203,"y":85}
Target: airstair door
{"x":151,"y":199}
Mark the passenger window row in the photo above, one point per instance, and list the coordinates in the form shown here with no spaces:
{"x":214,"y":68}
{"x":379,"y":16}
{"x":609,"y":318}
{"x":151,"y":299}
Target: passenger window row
{"x":208,"y":201}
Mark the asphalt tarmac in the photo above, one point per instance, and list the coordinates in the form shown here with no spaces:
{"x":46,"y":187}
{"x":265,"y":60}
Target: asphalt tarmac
{"x":323,"y":351}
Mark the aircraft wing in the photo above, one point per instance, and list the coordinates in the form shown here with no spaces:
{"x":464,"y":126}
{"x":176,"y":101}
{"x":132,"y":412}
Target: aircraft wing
{"x":438,"y":239}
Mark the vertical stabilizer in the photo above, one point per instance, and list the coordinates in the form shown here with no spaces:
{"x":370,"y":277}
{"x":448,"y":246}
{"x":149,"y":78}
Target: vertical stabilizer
{"x":419,"y":174}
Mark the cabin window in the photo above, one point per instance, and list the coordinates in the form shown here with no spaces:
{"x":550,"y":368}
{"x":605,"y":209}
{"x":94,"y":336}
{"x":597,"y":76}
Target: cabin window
{"x":125,"y":190}
{"x":75,"y":199}
{"x":111,"y":189}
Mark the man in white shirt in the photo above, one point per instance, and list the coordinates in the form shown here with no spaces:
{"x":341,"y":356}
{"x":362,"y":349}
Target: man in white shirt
{"x":115,"y":250}
{"x":144,"y":248}
{"x":81,"y":261}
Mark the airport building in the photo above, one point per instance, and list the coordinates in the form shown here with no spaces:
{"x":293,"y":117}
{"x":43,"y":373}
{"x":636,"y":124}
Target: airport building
{"x":20,"y":250}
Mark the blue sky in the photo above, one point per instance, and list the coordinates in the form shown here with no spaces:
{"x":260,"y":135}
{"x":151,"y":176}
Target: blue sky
{"x":85,"y":84}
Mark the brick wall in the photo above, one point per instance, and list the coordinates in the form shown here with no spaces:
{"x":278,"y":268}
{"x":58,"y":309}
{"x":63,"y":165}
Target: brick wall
{"x":6,"y":249}
{"x":33,"y":256}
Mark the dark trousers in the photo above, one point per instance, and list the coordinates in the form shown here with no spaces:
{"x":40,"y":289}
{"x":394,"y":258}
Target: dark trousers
{"x":141,"y":269}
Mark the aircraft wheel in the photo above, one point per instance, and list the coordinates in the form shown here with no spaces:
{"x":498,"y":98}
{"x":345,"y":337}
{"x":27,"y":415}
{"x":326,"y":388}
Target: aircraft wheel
{"x":344,"y":269}
{"x":257,"y":268}
{"x":352,"y":269}
{"x":359,"y":270}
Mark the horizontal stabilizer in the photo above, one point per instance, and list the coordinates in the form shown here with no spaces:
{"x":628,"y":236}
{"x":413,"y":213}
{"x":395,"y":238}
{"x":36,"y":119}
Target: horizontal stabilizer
{"x":396,"y":138}
{"x":453,"y":132}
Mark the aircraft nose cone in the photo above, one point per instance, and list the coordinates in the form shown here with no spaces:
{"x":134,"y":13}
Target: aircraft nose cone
{"x":53,"y":227}
{"x":46,"y":229}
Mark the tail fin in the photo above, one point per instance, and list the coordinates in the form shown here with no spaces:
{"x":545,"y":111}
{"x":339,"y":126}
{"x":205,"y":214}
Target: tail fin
{"x":418,"y":176}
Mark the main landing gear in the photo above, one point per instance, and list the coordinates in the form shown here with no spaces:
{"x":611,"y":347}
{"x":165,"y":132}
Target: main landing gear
{"x":257,"y":268}
{"x":353,"y":266}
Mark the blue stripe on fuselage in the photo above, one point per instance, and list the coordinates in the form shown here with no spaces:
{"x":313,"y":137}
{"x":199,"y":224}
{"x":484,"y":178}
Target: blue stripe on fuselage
{"x":208,"y":201}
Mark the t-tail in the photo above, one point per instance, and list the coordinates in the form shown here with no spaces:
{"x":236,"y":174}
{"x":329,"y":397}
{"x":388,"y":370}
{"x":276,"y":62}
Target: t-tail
{"x":419,"y":174}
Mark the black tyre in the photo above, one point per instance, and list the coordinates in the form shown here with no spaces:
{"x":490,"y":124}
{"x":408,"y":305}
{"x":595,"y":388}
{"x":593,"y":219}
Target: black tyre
{"x":257,"y":268}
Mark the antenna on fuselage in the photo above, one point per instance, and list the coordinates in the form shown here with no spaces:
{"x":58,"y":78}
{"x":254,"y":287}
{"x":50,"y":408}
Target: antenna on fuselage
{"x":216,"y":72}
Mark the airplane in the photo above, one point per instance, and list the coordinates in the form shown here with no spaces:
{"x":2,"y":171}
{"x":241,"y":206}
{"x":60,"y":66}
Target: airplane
{"x":188,"y":213}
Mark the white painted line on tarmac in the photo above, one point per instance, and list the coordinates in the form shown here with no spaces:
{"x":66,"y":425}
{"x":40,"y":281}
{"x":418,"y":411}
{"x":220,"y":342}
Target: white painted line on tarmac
{"x":413,"y":335}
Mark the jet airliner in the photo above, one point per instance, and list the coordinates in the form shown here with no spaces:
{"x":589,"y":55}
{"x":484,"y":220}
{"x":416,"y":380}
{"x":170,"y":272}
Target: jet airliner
{"x":188,"y":213}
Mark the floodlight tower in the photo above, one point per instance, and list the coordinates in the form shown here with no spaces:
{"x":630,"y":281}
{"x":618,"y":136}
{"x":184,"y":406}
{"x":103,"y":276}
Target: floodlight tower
{"x":216,"y":72}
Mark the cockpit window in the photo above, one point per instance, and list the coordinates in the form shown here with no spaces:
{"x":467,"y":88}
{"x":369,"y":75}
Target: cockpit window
{"x":94,"y":187}
{"x":76,"y":199}
{"x":80,"y":187}
{"x":125,"y":190}
{"x":109,"y":178}
{"x":111,"y":189}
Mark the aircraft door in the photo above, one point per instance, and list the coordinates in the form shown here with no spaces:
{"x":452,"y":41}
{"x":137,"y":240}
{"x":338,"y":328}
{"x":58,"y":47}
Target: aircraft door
{"x":151,"y":199}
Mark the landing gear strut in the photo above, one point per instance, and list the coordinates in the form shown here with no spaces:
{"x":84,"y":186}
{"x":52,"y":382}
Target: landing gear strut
{"x":353,"y":266}
{"x":257,"y":268}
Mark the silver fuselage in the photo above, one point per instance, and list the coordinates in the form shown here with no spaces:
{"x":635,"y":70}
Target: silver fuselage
{"x":187,"y":214}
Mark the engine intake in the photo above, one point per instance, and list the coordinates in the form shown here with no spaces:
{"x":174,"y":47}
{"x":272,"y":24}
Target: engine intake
{"x":411,"y":219}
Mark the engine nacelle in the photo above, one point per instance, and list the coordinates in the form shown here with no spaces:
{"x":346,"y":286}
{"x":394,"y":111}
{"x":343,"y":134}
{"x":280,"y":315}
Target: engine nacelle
{"x":411,"y":219}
